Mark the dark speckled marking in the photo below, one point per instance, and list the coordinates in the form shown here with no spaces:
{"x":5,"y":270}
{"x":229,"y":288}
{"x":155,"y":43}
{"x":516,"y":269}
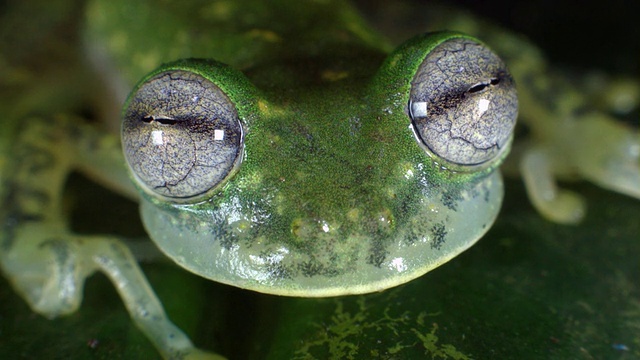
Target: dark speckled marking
{"x":450,"y":199}
{"x":411,"y":237}
{"x":14,"y":214}
{"x":312,"y":268}
{"x":377,"y":254}
{"x":275,"y":269}
{"x":226,"y":239}
{"x":487,"y":195}
{"x":439,"y":232}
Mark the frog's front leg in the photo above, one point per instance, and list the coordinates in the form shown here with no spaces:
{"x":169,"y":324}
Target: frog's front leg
{"x":49,"y":268}
{"x":44,"y":261}
{"x":575,"y":136}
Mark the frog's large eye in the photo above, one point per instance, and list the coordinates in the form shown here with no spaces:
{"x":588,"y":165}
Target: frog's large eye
{"x":463,"y":104}
{"x":181,"y":135}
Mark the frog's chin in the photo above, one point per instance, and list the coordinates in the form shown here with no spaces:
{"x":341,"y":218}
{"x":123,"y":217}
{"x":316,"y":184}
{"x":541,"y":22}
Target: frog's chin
{"x":209,"y":244}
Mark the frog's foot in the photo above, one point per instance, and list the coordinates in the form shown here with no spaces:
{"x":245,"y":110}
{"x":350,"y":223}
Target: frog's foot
{"x":45,"y":275}
{"x":557,"y":205}
{"x":50,"y":274}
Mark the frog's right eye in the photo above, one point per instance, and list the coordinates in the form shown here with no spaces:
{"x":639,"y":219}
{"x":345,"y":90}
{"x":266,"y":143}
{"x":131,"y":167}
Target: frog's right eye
{"x":181,"y":135}
{"x":463,"y":104}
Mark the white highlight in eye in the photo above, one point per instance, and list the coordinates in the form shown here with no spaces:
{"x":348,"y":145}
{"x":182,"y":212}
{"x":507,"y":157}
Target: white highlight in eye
{"x":483,"y":105}
{"x":398,"y":264}
{"x":418,"y":109}
{"x":218,"y":134}
{"x":156,"y":137}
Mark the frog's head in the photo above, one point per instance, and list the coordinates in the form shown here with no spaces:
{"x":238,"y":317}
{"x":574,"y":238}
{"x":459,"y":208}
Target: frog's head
{"x":327,"y":185}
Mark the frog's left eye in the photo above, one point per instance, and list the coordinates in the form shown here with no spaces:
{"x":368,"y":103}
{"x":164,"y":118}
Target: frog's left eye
{"x":463,"y":104}
{"x":181,"y":135}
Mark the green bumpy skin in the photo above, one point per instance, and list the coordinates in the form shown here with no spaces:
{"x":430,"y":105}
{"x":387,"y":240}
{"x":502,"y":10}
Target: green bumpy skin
{"x":333,"y":194}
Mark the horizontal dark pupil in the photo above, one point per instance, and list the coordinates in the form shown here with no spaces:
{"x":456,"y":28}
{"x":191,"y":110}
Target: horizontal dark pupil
{"x":483,"y":85}
{"x":161,"y":120}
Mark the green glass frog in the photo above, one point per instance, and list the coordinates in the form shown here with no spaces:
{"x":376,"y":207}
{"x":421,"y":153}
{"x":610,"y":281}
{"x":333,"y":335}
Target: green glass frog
{"x":310,"y":158}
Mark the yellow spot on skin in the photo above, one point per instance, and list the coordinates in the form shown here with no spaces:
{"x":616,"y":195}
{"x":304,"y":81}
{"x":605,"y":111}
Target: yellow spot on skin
{"x":302,"y":229}
{"x":241,"y":227}
{"x":263,"y":106}
{"x":274,"y":139}
{"x":280,"y":204}
{"x":393,"y":62}
{"x":353,"y":215}
{"x":301,"y":175}
{"x":251,"y":180}
{"x":268,"y":109}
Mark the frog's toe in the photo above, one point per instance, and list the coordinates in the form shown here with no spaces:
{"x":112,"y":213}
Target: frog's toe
{"x":627,"y":182}
{"x":621,"y":171}
{"x":53,"y":304}
{"x":566,"y":208}
{"x":46,"y":276}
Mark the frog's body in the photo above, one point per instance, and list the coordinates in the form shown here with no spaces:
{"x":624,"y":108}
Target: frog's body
{"x":333,"y":191}
{"x":383,"y":216}
{"x":294,"y":231}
